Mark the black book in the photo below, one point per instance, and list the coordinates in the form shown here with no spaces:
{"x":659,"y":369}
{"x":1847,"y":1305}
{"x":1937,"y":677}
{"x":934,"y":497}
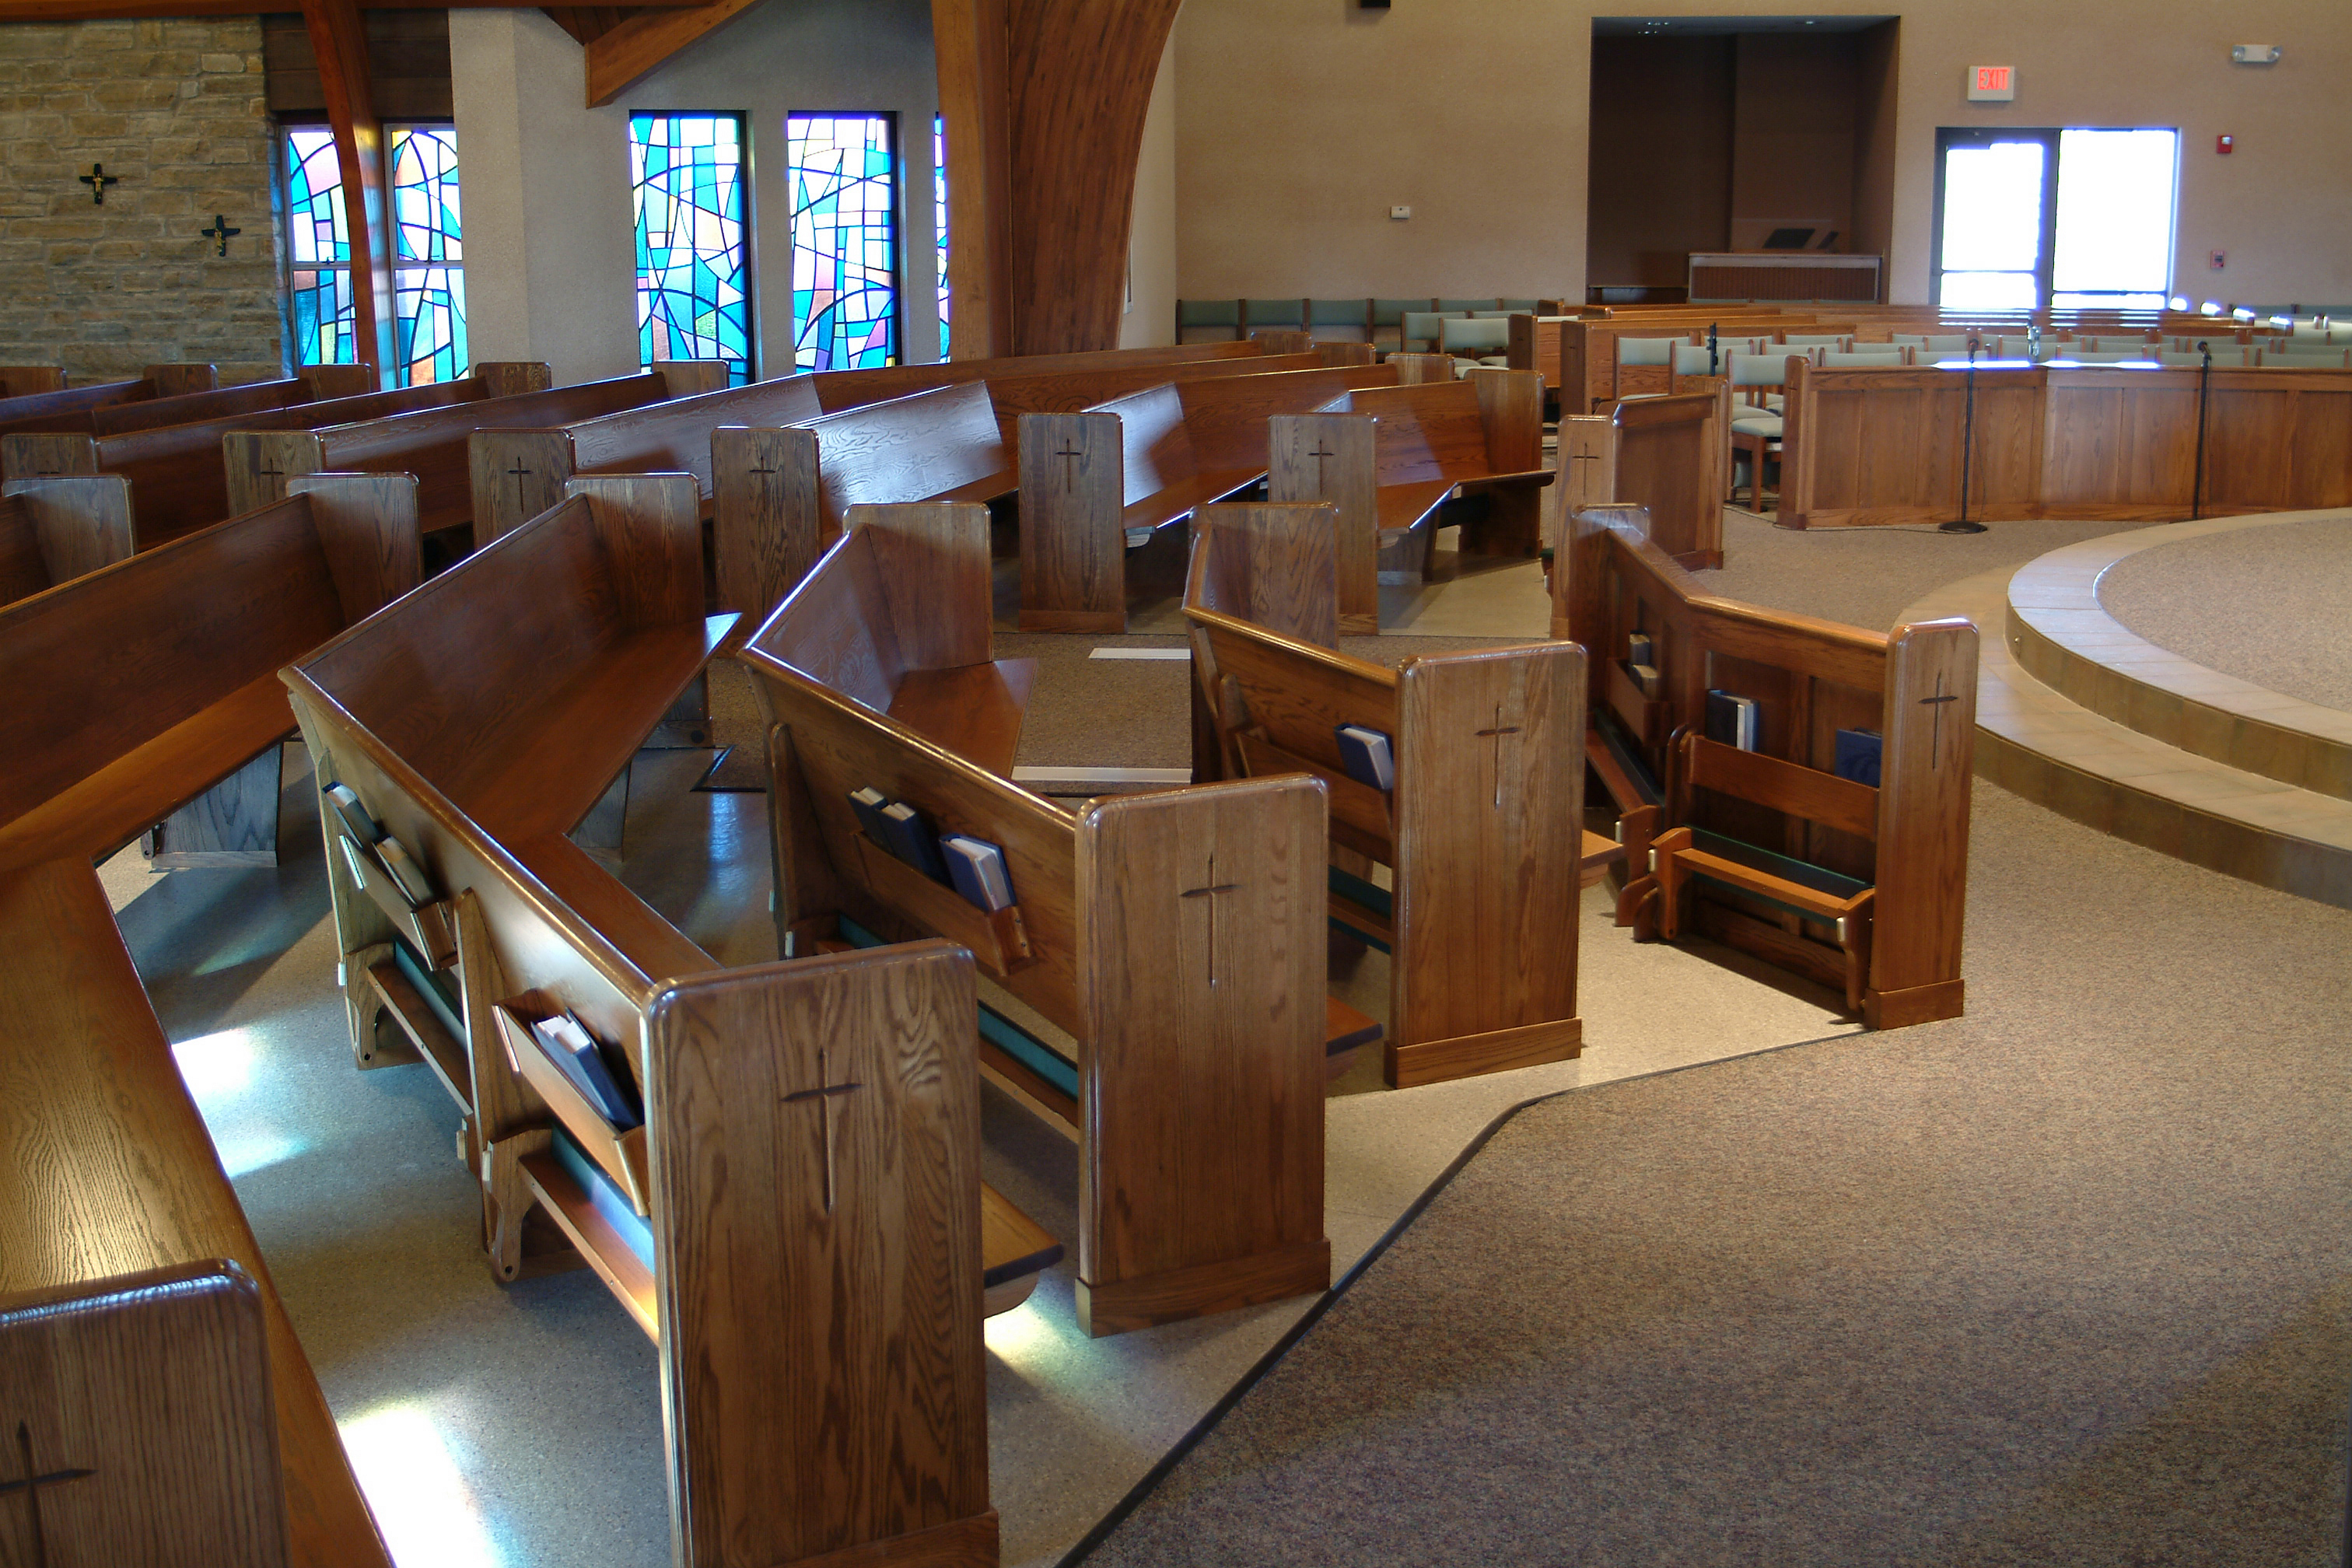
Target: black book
{"x":870,"y":803}
{"x":1731,"y":720}
{"x":906,"y":834}
{"x":1858,"y":754}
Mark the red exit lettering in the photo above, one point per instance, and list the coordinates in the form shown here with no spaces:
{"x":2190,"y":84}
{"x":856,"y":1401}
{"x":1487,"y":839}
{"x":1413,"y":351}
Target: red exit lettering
{"x":1992,"y":78}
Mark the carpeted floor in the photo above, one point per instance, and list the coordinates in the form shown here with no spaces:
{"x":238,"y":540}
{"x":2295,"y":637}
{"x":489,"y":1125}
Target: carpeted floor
{"x":2273,"y":605}
{"x":2067,"y":1280}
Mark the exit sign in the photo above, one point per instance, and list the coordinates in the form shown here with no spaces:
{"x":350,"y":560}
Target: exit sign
{"x":1992,"y":84}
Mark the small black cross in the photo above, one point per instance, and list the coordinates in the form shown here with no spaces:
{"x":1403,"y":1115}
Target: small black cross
{"x":31,"y":1485}
{"x":1319,"y":454}
{"x":220,"y":231}
{"x":826,"y":1094}
{"x":97,"y":179}
{"x":1935,"y":740}
{"x":273,"y":472}
{"x":1069,"y":455}
{"x":1210,"y":892}
{"x":765,"y":472}
{"x":516,"y":473}
{"x":1587,"y":456}
{"x":1499,"y":732}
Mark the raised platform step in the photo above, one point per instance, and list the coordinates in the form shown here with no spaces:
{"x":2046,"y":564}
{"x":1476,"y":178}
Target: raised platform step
{"x":2033,"y":739}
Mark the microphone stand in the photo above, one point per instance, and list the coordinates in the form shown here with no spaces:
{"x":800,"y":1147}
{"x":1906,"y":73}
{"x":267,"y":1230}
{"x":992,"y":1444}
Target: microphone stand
{"x":1968,"y":447}
{"x":1714,"y":360}
{"x":2204,"y":382}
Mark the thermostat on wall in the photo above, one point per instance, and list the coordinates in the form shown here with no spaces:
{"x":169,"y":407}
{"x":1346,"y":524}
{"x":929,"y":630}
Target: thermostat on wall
{"x":2255,"y":54}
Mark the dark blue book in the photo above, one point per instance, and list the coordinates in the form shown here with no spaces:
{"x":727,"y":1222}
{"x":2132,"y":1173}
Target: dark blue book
{"x":358,"y":820}
{"x":1732,"y":720}
{"x":1857,"y":756}
{"x":906,"y":834}
{"x":1640,"y":649}
{"x":1367,"y":755}
{"x":575,"y":1052}
{"x":976,"y":869}
{"x":870,"y":803}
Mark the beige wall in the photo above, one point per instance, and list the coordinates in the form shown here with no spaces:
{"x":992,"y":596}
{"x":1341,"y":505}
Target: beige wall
{"x":1150,"y":318}
{"x":1300,"y":122}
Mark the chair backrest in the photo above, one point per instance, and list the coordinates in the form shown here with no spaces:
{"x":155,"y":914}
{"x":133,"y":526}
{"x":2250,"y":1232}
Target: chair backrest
{"x":1275,"y":312}
{"x":1475,"y":335}
{"x":1481,"y":315}
{"x":1422,"y":326}
{"x":1647,"y":351}
{"x":1464,"y":307}
{"x":1831,"y":359}
{"x":1392,"y":313}
{"x":1521,"y":307}
{"x":1340,"y":313}
{"x":1935,"y":342}
{"x":1697,"y":359}
{"x":1758,"y":370}
{"x":2310,"y":356}
{"x":2099,"y":356}
{"x":1208,"y":313}
{"x":1813,"y":342}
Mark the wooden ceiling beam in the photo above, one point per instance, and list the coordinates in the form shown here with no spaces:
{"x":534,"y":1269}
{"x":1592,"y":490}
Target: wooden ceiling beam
{"x":619,"y":59}
{"x":339,"y":38}
{"x":153,"y":10}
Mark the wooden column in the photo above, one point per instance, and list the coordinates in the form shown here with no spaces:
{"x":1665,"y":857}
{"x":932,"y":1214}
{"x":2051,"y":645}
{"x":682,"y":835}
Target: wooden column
{"x":339,"y":37}
{"x":1045,"y":103}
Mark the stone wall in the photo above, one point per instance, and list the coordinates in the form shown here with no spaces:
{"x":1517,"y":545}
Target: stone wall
{"x":174,"y":109}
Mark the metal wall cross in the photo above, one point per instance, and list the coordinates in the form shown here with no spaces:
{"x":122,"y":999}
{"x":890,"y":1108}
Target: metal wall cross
{"x":1069,"y":455}
{"x":97,"y":179}
{"x":1936,"y":738}
{"x":31,"y":1485}
{"x":828,"y":1095}
{"x":1497,"y":732}
{"x":220,"y":231}
{"x":1210,"y":891}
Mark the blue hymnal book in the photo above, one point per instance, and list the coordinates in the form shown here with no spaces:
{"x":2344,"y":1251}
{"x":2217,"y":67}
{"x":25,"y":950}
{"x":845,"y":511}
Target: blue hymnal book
{"x":1731,"y":720}
{"x":1857,"y":756}
{"x":906,"y":834}
{"x":868,"y":805}
{"x":574,"y":1051}
{"x":1639,"y":650}
{"x":1367,"y":755}
{"x":977,"y":868}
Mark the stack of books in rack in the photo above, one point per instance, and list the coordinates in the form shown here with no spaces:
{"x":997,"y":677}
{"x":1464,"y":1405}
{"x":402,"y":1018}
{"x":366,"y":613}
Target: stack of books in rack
{"x":581,"y":1059}
{"x":972,"y":866}
{"x":363,"y":836}
{"x":1642,"y":664}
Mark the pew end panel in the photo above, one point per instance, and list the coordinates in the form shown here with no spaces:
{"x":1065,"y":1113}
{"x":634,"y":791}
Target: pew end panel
{"x":1073,"y":543}
{"x":1922,"y":826}
{"x":1588,"y":477}
{"x":1329,"y":457}
{"x":690,"y":377}
{"x":30,"y":380}
{"x":823,"y":1379}
{"x":767,"y":528}
{"x":1201,"y":1175}
{"x":1274,"y":564}
{"x":1669,"y":459}
{"x":53,"y":530}
{"x":147,"y":1399}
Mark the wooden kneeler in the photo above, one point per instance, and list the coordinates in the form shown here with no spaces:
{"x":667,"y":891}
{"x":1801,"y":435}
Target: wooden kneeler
{"x":823,"y":1381}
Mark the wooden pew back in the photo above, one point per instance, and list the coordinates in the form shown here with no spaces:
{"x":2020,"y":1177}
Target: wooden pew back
{"x":1470,"y":428}
{"x":840,"y":389}
{"x":30,"y":380}
{"x":53,"y":530}
{"x":312,"y":384}
{"x":430,"y":444}
{"x":1225,"y":416}
{"x":1483,"y":828}
{"x":1808,"y":678}
{"x":112,"y":661}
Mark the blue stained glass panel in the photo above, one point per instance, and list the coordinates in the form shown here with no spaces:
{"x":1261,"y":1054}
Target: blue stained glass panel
{"x":940,"y":215}
{"x":428,"y":301}
{"x":693,"y":267}
{"x":843,"y":175}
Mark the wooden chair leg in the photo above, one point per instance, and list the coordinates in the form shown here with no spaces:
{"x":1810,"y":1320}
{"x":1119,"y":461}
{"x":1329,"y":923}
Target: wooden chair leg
{"x":1631,"y":898}
{"x":506,"y":1200}
{"x":1854,"y":934}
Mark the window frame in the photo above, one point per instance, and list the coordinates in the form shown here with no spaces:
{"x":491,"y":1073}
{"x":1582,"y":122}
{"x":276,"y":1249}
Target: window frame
{"x":896,"y":271}
{"x":746,"y":225}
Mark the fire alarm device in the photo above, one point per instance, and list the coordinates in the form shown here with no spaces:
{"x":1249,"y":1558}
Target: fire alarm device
{"x":2220,"y":259}
{"x":2222,"y":144}
{"x":1992,"y":84}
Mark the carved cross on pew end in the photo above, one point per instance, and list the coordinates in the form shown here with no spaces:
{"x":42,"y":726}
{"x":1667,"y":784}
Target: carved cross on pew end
{"x":1211,"y":890}
{"x":31,"y":1483}
{"x":1497,"y":732}
{"x":1935,"y":737}
{"x":827,"y":1096}
{"x":1069,"y":455}
{"x":516,"y":474}
{"x":1320,"y":455}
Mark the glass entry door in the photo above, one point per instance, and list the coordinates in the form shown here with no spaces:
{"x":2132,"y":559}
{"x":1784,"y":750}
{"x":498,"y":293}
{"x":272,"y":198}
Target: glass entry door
{"x":1996,"y":203}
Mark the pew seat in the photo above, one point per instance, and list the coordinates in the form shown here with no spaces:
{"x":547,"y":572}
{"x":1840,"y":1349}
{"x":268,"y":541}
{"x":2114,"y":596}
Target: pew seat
{"x":1481,"y":435}
{"x":113,"y":1172}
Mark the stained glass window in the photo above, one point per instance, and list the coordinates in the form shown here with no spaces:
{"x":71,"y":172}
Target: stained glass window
{"x":428,"y":284}
{"x":940,"y":215}
{"x":843,"y":173}
{"x":694,"y":297}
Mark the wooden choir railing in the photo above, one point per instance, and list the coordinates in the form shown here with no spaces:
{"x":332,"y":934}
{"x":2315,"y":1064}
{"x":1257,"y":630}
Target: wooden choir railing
{"x":1781,"y":816}
{"x":819,"y":1322}
{"x":2126,"y":443}
{"x":1172,"y":983}
{"x":1482,"y":828}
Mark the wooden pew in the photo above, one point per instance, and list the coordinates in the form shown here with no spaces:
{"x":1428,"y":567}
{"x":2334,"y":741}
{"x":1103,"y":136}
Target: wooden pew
{"x":30,"y":380}
{"x":840,"y":389}
{"x":1482,"y":831}
{"x":1156,"y":991}
{"x":71,"y":408}
{"x":1784,"y":814}
{"x":178,"y":480}
{"x":432,"y":444}
{"x":146,"y":684}
{"x":780,"y":497}
{"x":824,"y":1313}
{"x":53,"y":530}
{"x":1097,"y":484}
{"x":1478,"y":436}
{"x":1879,"y":446}
{"x":1671,"y":456}
{"x":142,"y":1406}
{"x":311,"y":384}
